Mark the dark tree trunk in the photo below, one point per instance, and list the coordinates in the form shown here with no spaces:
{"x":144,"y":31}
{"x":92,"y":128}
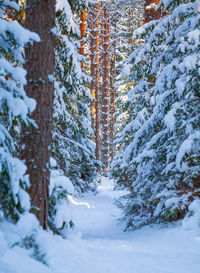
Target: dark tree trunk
{"x":36,"y":142}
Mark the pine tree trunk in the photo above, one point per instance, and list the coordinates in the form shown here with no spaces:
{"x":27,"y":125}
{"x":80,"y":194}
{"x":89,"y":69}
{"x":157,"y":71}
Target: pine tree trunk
{"x":92,"y":67}
{"x":82,"y":30}
{"x":129,"y":27}
{"x":97,"y":131}
{"x":105,"y":91}
{"x":113,"y":90}
{"x":36,"y":142}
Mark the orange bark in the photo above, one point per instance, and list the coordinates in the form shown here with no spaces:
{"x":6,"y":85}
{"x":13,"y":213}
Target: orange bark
{"x":105,"y":89}
{"x":97,"y":131}
{"x":92,"y":67}
{"x":82,"y":30}
{"x":129,"y":26}
{"x":113,"y":89}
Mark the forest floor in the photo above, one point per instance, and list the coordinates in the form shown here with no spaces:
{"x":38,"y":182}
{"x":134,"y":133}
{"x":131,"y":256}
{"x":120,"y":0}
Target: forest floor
{"x":99,"y":245}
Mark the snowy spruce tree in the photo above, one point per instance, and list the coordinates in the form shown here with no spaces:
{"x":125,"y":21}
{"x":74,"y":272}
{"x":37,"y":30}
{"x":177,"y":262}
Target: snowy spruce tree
{"x":159,"y":158}
{"x":73,"y":148}
{"x":15,"y":108}
{"x":73,"y":164}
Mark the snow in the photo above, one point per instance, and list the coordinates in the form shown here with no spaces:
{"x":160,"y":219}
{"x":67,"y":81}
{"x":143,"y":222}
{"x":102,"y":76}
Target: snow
{"x":60,"y":181}
{"x":194,"y":221}
{"x":64,"y":5}
{"x":11,"y":4}
{"x":98,"y":245}
{"x":169,"y":118}
{"x":186,"y":147}
{"x":4,"y":244}
{"x":18,"y":261}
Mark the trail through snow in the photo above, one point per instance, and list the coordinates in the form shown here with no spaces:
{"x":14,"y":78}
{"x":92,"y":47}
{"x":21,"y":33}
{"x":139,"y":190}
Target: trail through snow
{"x":100,"y":246}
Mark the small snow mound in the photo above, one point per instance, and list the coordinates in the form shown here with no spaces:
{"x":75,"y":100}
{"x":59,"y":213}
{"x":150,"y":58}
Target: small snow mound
{"x":3,"y":244}
{"x":27,"y":224}
{"x":192,"y":219}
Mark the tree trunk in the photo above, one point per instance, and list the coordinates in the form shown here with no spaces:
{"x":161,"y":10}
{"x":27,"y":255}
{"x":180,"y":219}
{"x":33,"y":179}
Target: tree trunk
{"x":36,"y":142}
{"x":113,"y":89}
{"x":92,"y":66}
{"x":129,"y":27}
{"x":82,"y":30}
{"x":97,"y":131}
{"x":105,"y":90}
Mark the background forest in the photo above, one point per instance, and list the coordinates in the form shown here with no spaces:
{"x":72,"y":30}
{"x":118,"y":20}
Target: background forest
{"x":98,"y":88}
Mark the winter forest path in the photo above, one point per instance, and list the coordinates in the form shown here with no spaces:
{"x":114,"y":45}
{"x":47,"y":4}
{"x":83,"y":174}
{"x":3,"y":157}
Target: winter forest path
{"x":98,"y":244}
{"x":97,"y":218}
{"x":105,"y":248}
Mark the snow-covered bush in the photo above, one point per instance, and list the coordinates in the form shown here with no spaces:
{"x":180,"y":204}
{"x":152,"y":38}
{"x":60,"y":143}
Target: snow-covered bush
{"x":72,"y":146}
{"x":161,"y":161}
{"x":60,"y":218}
{"x":15,"y":107}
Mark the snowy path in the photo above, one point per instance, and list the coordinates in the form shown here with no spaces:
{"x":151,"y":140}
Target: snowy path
{"x":100,"y":246}
{"x":150,"y":250}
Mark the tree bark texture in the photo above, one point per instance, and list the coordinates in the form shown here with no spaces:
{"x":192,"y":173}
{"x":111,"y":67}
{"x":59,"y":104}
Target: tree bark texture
{"x":130,"y":27}
{"x":113,"y":89}
{"x":105,"y":89}
{"x":82,"y":30}
{"x":92,"y":66}
{"x":97,"y":109}
{"x":36,"y":142}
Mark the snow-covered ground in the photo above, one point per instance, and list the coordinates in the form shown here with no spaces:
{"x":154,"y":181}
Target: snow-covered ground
{"x":98,"y":245}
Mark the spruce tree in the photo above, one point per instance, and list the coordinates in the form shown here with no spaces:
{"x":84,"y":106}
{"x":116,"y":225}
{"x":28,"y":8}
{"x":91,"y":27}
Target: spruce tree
{"x":15,"y":108}
{"x":160,"y":162}
{"x":72,"y":147}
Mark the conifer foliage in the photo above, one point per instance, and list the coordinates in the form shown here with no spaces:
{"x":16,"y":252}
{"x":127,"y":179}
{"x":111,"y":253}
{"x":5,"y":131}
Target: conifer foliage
{"x":158,"y":161}
{"x":71,"y":136}
{"x":15,"y":108}
{"x":153,"y":106}
{"x":73,"y":166}
{"x":72,"y":145}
